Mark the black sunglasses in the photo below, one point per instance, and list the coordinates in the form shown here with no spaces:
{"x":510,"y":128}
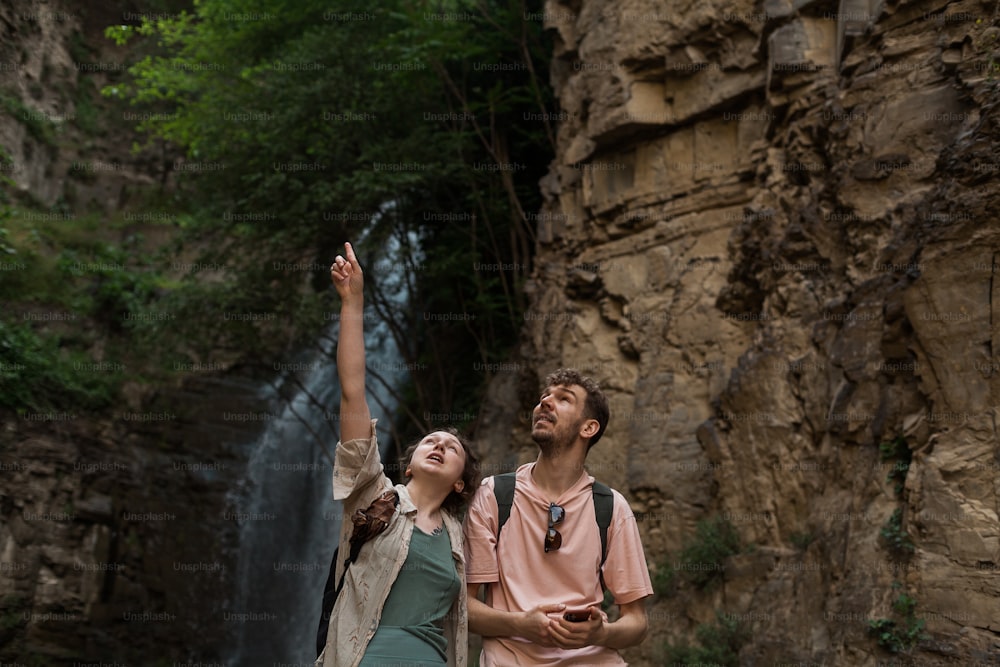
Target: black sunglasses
{"x":553,"y":540}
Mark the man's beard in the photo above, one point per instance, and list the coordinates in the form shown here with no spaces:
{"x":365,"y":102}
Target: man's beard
{"x":543,"y":439}
{"x":553,"y":441}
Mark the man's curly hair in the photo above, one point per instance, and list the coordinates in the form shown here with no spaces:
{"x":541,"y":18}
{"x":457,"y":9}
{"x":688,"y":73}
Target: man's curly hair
{"x":596,"y":404}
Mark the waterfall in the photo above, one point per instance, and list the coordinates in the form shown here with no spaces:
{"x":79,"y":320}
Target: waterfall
{"x":289,"y":522}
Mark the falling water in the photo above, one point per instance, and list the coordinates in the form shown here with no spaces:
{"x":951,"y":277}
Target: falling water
{"x":288,"y":520}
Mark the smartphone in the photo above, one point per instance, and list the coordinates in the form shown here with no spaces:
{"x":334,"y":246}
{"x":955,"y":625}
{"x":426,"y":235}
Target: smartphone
{"x":577,"y":616}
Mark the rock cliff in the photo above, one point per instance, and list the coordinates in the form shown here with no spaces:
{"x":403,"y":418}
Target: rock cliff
{"x":112,"y":529}
{"x":769,"y":233}
{"x":67,"y":147}
{"x":120,"y":536}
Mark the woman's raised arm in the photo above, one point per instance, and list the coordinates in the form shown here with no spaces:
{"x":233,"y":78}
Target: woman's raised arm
{"x":355,"y":417}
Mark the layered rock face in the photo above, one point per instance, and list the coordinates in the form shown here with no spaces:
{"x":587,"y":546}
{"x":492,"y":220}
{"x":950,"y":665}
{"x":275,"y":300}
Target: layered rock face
{"x":769,"y":233}
{"x":66,"y":146}
{"x":120,"y":537}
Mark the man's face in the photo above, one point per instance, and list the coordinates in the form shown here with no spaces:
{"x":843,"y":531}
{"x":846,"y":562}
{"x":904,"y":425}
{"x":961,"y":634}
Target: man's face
{"x":558,"y":417}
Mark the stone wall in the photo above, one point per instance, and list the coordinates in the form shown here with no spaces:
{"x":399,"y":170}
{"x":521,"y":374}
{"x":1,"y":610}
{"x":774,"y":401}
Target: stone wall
{"x":769,"y":234}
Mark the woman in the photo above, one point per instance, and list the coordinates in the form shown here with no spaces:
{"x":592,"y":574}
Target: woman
{"x":403,"y":601}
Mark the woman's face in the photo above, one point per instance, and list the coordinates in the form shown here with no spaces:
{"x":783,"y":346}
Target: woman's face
{"x":440,"y":456}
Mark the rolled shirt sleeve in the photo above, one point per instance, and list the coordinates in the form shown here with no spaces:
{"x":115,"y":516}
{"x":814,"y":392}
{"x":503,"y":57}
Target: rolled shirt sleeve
{"x":356,"y":465}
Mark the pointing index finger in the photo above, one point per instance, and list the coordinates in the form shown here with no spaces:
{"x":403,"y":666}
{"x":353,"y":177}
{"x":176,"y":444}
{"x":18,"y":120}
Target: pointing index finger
{"x":349,"y":252}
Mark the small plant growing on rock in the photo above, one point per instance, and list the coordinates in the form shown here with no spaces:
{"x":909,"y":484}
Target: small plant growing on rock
{"x":801,"y":540}
{"x":902,"y":633}
{"x":719,"y":644}
{"x":899,"y":452}
{"x":700,"y":559}
{"x":898,"y":539}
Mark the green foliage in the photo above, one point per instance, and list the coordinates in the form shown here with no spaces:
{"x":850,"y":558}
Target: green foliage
{"x":5,"y":246}
{"x":36,"y":374}
{"x":337,"y":121}
{"x":700,"y":561}
{"x":719,"y":644}
{"x":665,"y":578}
{"x":802,"y":540}
{"x":39,"y":126}
{"x":902,"y":632}
{"x":899,"y":453}
{"x":896,"y":538}
{"x":87,"y":113}
{"x":79,"y":50}
{"x":11,"y":613}
{"x":73,"y":263}
{"x":72,"y":286}
{"x":117,"y":292}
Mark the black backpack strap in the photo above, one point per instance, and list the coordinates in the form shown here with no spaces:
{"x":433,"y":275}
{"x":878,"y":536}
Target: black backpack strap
{"x":330,"y":595}
{"x":503,"y":489}
{"x":331,"y":592}
{"x":604,"y":507}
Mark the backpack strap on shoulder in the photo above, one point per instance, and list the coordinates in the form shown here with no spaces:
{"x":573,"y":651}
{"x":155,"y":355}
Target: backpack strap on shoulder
{"x":604,"y":508}
{"x":503,"y":489}
{"x":368,"y":524}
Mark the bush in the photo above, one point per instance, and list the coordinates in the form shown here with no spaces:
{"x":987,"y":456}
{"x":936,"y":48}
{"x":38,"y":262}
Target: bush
{"x":902,"y":633}
{"x":700,"y":559}
{"x":35,"y":374}
{"x":719,"y":644}
{"x":37,"y":123}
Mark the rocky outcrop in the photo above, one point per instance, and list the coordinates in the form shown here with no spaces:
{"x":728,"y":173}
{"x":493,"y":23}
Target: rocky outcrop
{"x":120,"y":537}
{"x":66,"y":146}
{"x":769,"y":234}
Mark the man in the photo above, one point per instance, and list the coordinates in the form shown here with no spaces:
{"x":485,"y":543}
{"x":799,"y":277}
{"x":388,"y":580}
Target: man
{"x":545,"y":565}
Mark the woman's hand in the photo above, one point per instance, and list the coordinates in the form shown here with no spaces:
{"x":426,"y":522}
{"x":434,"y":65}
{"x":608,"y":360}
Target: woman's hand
{"x":347,"y":276}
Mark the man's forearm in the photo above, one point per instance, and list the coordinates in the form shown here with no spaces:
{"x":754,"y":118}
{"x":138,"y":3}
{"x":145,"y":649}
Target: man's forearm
{"x":629,"y":630}
{"x":486,"y":621}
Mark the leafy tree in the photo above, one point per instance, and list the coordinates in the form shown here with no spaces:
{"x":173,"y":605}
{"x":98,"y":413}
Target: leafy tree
{"x":305,"y":124}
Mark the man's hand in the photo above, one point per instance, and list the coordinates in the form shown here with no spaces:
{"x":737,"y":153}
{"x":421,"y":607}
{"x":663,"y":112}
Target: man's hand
{"x":347,"y":276}
{"x":536,"y":624}
{"x":567,"y":634}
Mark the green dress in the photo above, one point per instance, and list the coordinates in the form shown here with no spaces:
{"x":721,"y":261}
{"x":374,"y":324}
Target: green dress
{"x":410,"y":630}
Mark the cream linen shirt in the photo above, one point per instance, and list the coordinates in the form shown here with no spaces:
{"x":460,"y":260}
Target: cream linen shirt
{"x":358,"y":479}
